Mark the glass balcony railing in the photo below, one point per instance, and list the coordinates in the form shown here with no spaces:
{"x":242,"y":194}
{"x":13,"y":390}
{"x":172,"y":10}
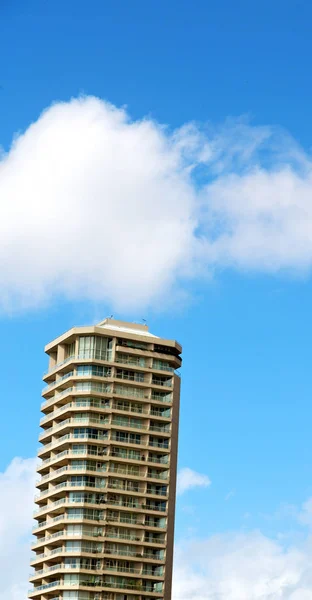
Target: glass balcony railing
{"x":85,"y":355}
{"x":135,"y":361}
{"x":85,"y":386}
{"x":139,"y":408}
{"x":79,"y":468}
{"x":130,"y":392}
{"x":122,"y":569}
{"x":73,"y":436}
{"x":161,"y":397}
{"x":77,"y":404}
{"x":74,"y":421}
{"x":44,"y":587}
{"x":162,"y":382}
{"x":158,"y":366}
{"x":122,"y":536}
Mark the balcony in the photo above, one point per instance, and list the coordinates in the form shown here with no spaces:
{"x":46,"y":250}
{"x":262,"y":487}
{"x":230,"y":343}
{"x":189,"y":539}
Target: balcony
{"x":154,"y":507}
{"x":156,"y":444}
{"x":74,"y":421}
{"x":132,"y":584}
{"x":122,"y":536}
{"x":48,"y":570}
{"x":120,"y":422}
{"x":57,"y":397}
{"x":126,"y":486}
{"x":138,"y":408}
{"x":70,"y":437}
{"x":61,"y":550}
{"x":162,"y":382}
{"x":134,"y":361}
{"x":124,"y":504}
{"x":122,"y":569}
{"x":63,"y":533}
{"x":120,"y":552}
{"x":125,"y":471}
{"x":155,"y":492}
{"x":160,"y":428}
{"x":162,"y":366}
{"x":124,"y":520}
{"x":58,"y":381}
{"x":132,"y":441}
{"x":77,"y":404}
{"x":47,"y":586}
{"x":87,"y":387}
{"x":69,"y":484}
{"x":73,"y":468}
{"x":86,"y":355}
{"x":159,"y":397}
{"x":82,"y":516}
{"x":162,"y":460}
{"x":131,"y":392}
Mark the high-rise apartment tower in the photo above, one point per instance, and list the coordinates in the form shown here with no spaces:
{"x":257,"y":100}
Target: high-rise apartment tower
{"x":108,"y":456}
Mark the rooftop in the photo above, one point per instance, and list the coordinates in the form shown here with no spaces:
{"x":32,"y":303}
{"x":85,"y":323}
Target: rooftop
{"x":125,"y":327}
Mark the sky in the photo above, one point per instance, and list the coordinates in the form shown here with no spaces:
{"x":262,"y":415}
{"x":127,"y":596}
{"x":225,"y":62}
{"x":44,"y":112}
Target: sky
{"x":156,"y":164}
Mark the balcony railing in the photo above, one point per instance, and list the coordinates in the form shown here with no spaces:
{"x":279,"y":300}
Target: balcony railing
{"x":57,"y":381}
{"x":58,"y":365}
{"x":56,"y":397}
{"x":69,"y":484}
{"x":44,"y":587}
{"x":162,"y":382}
{"x":158,"y":367}
{"x":122,"y":536}
{"x":64,"y":533}
{"x":130,"y":392}
{"x":102,"y":388}
{"x":140,"y":409}
{"x":79,"y":468}
{"x":74,"y":420}
{"x":47,"y":570}
{"x":76,"y":404}
{"x":134,"y":361}
{"x":71,"y":453}
{"x":161,"y":398}
{"x":124,"y":423}
{"x":122,"y":569}
{"x":125,"y":471}
{"x":120,"y":552}
{"x":72,"y":436}
{"x":122,"y":486}
{"x":86,"y":355}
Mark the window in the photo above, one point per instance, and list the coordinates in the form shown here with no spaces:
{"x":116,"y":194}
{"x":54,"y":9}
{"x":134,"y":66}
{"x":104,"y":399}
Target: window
{"x":93,"y":370}
{"x":95,"y":347}
{"x":70,"y":350}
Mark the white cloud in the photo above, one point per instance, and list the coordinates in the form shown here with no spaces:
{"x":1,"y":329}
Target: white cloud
{"x":188,"y":479}
{"x":94,"y":205}
{"x":242,"y":567}
{"x":229,"y":566}
{"x":249,"y":565}
{"x":17,"y":484}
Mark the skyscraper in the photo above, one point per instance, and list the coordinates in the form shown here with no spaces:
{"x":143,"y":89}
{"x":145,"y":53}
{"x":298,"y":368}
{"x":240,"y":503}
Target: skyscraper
{"x":108,"y":456}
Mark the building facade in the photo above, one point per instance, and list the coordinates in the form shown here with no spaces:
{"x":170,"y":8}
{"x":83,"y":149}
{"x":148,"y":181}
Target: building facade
{"x":108,"y":457}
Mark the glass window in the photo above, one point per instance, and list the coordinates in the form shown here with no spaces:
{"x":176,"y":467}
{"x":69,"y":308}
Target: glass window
{"x":95,"y":347}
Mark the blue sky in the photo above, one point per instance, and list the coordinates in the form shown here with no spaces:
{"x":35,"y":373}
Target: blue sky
{"x":241,"y":307}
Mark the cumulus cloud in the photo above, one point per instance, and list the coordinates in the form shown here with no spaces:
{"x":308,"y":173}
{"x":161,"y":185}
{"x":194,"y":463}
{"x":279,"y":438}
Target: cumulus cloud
{"x":229,"y":566}
{"x":17,"y":484}
{"x":239,"y":566}
{"x":95,"y":205}
{"x":188,"y":479}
